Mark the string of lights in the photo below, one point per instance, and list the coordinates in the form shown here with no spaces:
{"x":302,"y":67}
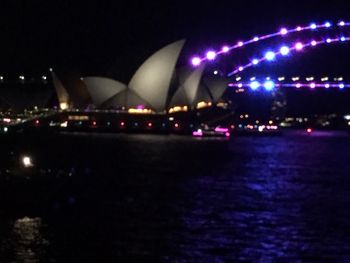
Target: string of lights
{"x":286,"y":50}
{"x":212,"y":54}
{"x":270,"y":85}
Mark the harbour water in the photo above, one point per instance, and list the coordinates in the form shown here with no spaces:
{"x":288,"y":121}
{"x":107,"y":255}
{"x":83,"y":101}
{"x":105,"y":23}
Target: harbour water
{"x":155,"y":198}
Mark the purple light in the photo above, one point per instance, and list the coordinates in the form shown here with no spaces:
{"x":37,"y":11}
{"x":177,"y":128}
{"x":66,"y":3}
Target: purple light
{"x":284,"y":50}
{"x":299,"y":46}
{"x":225,"y":49}
{"x":240,"y":68}
{"x":312,"y":85}
{"x":313,"y":26}
{"x":327,"y":86}
{"x":298,"y":85}
{"x":240,"y":85}
{"x":284,"y":31}
{"x":255,"y":61}
{"x":256,"y":39}
{"x":299,"y":28}
{"x":227,"y":134}
{"x":240,"y":43}
{"x":341,"y":86}
{"x":219,"y":129}
{"x":196,"y":61}
{"x":313,"y":43}
{"x":329,"y":40}
{"x":342,"y":38}
{"x":327,"y":24}
{"x":341,"y":23}
{"x":254,"y":85}
{"x":211,"y":55}
{"x":197,"y":133}
{"x":270,"y":55}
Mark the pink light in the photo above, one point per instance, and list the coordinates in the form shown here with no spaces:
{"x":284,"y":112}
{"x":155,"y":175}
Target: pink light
{"x":329,"y":40}
{"x":196,"y":61}
{"x":218,"y":129}
{"x":299,"y":28}
{"x":176,"y":125}
{"x":327,"y":86}
{"x":240,"y":68}
{"x":140,"y":107}
{"x":225,"y":49}
{"x":227,"y":134}
{"x":313,"y":43}
{"x":298,"y":85}
{"x":149,"y":124}
{"x":37,"y":122}
{"x":7,"y":120}
{"x":256,"y":39}
{"x":299,"y":46}
{"x":122,"y":124}
{"x":283,"y":31}
{"x":94,"y":123}
{"x":197,"y":133}
{"x":312,"y":85}
{"x":211,"y":55}
{"x":341,"y":23}
{"x":309,"y":130}
{"x":240,"y":43}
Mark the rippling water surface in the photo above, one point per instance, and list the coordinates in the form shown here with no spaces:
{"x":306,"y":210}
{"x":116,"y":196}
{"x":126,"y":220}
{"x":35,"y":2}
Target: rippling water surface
{"x":145,"y":198}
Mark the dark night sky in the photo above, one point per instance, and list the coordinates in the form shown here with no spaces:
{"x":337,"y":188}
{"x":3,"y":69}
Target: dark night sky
{"x":97,"y":37}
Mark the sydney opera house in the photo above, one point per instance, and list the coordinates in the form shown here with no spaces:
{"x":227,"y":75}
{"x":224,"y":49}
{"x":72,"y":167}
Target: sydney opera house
{"x":157,"y":87}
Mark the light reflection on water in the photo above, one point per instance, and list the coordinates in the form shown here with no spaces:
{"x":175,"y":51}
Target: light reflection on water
{"x":175,"y":199}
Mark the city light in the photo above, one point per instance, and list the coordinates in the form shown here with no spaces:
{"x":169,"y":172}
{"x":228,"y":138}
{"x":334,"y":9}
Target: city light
{"x":313,"y":43}
{"x":284,"y":50}
{"x":269,"y":85}
{"x":283,"y":31}
{"x":27,"y":161}
{"x":255,"y":61}
{"x":313,"y":26}
{"x":327,"y":24}
{"x":270,"y":55}
{"x":196,"y":61}
{"x":299,"y":46}
{"x":254,"y":85}
{"x":225,"y":49}
{"x":211,"y":55}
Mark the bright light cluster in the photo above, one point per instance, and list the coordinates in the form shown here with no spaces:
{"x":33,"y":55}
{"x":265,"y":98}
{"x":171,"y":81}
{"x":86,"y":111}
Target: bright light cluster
{"x":286,"y":50}
{"x":270,"y":85}
{"x":212,"y":54}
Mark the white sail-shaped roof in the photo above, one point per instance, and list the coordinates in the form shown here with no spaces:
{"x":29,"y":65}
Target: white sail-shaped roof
{"x":152,"y":80}
{"x":191,"y":84}
{"x":126,"y":98}
{"x":61,"y":91}
{"x":217,"y":86}
{"x":101,"y":89}
{"x":189,"y":81}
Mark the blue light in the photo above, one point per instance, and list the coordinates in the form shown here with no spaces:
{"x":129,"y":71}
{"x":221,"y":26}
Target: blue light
{"x":269,"y":85}
{"x":313,"y":26}
{"x":327,"y":24}
{"x":254,"y":85}
{"x":284,"y":50}
{"x":270,"y":55}
{"x":342,"y":38}
{"x":255,"y":61}
{"x":341,"y":86}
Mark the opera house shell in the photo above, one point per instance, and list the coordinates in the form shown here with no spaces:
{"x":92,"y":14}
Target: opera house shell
{"x":158,"y":86}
